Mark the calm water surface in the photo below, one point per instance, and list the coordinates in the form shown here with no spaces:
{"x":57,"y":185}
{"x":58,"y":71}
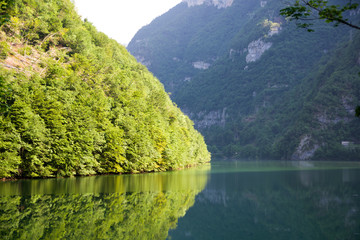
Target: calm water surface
{"x":229,"y":200}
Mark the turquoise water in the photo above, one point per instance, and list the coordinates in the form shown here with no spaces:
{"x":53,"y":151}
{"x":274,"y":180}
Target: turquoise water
{"x":227,"y":200}
{"x":276,"y":200}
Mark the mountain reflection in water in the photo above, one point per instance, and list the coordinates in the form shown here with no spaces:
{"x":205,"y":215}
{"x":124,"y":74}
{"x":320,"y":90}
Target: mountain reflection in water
{"x":276,"y":200}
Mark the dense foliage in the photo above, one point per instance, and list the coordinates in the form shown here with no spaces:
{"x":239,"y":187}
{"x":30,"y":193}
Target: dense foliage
{"x":296,"y":101}
{"x":321,"y":9}
{"x":74,"y":102}
{"x":5,"y":6}
{"x":172,"y":42}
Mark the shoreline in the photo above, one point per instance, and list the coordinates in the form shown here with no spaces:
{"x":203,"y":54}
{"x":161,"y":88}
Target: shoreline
{"x":102,"y":174}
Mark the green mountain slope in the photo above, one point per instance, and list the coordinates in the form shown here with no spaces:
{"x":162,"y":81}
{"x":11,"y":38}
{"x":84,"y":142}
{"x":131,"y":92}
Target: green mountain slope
{"x":255,"y":85}
{"x":74,"y":102}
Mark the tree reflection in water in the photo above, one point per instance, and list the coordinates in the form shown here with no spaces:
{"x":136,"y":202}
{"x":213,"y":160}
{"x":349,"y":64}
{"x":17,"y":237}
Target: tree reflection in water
{"x":102,"y":207}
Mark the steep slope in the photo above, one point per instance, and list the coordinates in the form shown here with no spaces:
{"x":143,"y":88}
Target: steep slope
{"x":254,"y":84}
{"x":74,"y":102}
{"x":188,"y":39}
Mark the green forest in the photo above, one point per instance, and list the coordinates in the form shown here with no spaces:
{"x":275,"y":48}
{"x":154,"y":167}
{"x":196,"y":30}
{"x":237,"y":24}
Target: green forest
{"x":74,"y":102}
{"x":296,"y":101}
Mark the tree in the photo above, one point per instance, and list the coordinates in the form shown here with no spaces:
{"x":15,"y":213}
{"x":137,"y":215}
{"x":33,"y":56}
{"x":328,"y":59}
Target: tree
{"x":4,"y":10}
{"x":6,"y":97}
{"x":320,"y":9}
{"x":357,"y":111}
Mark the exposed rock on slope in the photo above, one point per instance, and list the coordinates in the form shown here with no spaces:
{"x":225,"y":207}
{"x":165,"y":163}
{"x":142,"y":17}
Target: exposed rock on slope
{"x":217,"y":3}
{"x":277,"y":83}
{"x":256,"y":49}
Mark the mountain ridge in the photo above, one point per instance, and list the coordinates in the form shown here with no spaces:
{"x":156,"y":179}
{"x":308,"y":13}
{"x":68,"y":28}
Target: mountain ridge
{"x":217,"y":3}
{"x":249,"y":87}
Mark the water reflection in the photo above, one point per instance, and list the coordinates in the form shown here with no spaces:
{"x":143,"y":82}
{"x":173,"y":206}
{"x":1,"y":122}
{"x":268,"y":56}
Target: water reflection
{"x":103,"y":207}
{"x":281,"y":201}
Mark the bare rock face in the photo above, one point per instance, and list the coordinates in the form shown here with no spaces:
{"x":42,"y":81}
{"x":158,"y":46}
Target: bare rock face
{"x":206,"y":120}
{"x":217,"y":3}
{"x":306,"y":149}
{"x":201,"y":65}
{"x":256,"y":49}
{"x":263,"y":3}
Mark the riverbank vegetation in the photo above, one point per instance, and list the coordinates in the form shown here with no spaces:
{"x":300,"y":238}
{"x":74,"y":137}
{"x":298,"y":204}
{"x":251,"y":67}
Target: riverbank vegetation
{"x":74,"y":102}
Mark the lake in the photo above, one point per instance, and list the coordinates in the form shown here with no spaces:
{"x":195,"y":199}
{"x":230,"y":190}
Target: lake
{"x":227,"y":200}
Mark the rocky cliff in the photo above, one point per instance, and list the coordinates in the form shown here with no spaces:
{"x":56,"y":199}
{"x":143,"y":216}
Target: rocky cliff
{"x":216,"y":3}
{"x":254,"y":84}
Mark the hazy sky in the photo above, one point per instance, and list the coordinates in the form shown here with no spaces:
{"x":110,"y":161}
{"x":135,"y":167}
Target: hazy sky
{"x":121,"y":19}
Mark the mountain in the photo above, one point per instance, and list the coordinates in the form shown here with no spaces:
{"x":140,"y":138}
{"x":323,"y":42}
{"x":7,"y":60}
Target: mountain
{"x":255,"y":85}
{"x":74,"y":102}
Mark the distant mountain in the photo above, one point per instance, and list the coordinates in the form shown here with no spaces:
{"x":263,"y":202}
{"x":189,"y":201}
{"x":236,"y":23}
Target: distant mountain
{"x":255,"y":85}
{"x":74,"y":102}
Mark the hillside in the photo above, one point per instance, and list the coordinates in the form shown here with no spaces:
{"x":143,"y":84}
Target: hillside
{"x":74,"y":102}
{"x":255,"y":85}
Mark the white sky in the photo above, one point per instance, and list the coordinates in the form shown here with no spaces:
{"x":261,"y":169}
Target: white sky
{"x":121,"y":19}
